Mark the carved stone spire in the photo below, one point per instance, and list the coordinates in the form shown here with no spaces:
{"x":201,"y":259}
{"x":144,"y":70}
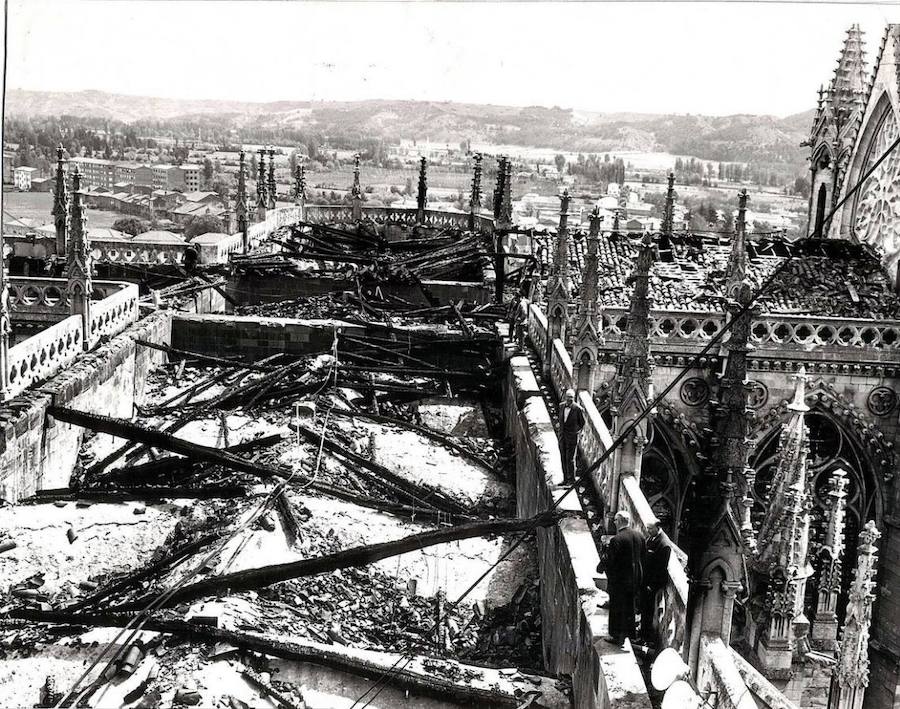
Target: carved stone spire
{"x":631,"y":389}
{"x":506,"y":196}
{"x":356,"y":190}
{"x":242,"y":206}
{"x":299,"y":183}
{"x":668,"y":224}
{"x":784,"y":540}
{"x":262,"y":198}
{"x":588,"y":338}
{"x":852,"y":675}
{"x":824,"y":627}
{"x":498,"y":187}
{"x":617,"y":214}
{"x":422,"y":192}
{"x":272,"y":188}
{"x":60,"y":210}
{"x":727,"y":476}
{"x":736,"y":271}
{"x":79,"y":266}
{"x":559,"y":284}
{"x":850,"y":83}
{"x":475,"y":197}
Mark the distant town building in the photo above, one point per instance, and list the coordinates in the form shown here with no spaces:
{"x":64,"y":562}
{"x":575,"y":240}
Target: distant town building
{"x":22,"y":177}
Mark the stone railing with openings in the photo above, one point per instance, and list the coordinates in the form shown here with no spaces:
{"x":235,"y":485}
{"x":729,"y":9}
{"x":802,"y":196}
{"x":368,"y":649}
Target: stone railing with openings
{"x":537,"y":329}
{"x":799,"y":331}
{"x":114,"y":313}
{"x":435,"y":218}
{"x":45,"y":299}
{"x":44,"y":354}
{"x":222,"y":249}
{"x":147,"y":253}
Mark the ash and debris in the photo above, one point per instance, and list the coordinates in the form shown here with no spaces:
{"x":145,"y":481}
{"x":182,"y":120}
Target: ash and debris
{"x":440,"y":440}
{"x":825,"y":277}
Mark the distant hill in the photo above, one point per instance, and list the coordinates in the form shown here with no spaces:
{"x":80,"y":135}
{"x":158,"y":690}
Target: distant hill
{"x":738,"y":138}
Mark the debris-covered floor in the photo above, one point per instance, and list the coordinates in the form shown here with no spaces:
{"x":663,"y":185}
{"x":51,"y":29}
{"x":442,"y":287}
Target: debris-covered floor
{"x":202,"y":561}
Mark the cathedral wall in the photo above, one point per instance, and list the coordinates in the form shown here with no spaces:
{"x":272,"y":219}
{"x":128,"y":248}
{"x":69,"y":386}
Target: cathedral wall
{"x":574,"y":626}
{"x":37,"y":452}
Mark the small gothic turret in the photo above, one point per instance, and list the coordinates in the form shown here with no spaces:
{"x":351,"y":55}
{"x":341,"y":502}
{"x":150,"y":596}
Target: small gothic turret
{"x":262,"y":197}
{"x":271,"y":187}
{"x":719,"y":539}
{"x":617,"y":215}
{"x":587,"y":326}
{"x":356,"y":190}
{"x":784,"y":540}
{"x":668,"y":223}
{"x":475,"y":197}
{"x":242,"y":207}
{"x":300,"y":187}
{"x":422,"y":192}
{"x":80,"y":285}
{"x":852,"y":675}
{"x":499,"y":187}
{"x":559,"y":285}
{"x":506,"y":195}
{"x":631,"y":389}
{"x":824,"y":627}
{"x":834,"y":131}
{"x":736,"y":270}
{"x":60,"y":209}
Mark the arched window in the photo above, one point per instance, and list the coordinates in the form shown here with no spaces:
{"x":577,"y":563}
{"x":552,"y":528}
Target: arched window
{"x":584,"y":371}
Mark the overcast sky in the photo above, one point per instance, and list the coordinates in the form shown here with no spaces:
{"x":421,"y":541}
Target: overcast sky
{"x":711,"y":58}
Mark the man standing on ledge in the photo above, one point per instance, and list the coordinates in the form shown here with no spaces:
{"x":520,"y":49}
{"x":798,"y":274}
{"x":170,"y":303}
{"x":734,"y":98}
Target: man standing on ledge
{"x":655,"y":567}
{"x":571,"y":421}
{"x":624,"y":577}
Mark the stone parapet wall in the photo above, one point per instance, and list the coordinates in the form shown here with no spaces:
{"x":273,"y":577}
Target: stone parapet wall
{"x":573,"y":623}
{"x":717,"y":673}
{"x":38,"y":453}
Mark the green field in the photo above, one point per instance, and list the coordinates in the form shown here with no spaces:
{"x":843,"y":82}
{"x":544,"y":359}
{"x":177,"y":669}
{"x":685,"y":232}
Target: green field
{"x":37,"y":205}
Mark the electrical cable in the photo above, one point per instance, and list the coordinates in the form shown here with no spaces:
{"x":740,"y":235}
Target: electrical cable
{"x":629,"y":429}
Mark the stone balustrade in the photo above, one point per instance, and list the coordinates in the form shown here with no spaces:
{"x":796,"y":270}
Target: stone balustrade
{"x":220,"y":251}
{"x":114,"y":313}
{"x":43,"y":355}
{"x":53,"y":348}
{"x":776,"y":331}
{"x":537,"y":328}
{"x":40,"y":300}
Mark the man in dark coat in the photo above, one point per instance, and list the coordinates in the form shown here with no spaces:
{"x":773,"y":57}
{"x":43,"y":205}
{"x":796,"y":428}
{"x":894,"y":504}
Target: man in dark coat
{"x":624,"y":577}
{"x":658,"y":549}
{"x":571,"y":421}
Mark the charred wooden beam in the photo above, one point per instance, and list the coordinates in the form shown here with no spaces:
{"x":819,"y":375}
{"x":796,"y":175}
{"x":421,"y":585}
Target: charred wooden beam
{"x":219,"y":361}
{"x":332,"y":657}
{"x":261,"y":577}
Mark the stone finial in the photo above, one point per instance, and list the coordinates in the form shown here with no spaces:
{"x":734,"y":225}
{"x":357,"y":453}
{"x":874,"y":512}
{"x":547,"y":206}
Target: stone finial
{"x":299,"y":182}
{"x":499,"y":187}
{"x":262,"y":197}
{"x":668,"y":224}
{"x":506,"y":194}
{"x":475,"y":198}
{"x":355,"y":189}
{"x":852,"y":674}
{"x":60,"y":209}
{"x":736,"y":271}
{"x":422,"y":192}
{"x":79,"y":263}
{"x":272,"y":188}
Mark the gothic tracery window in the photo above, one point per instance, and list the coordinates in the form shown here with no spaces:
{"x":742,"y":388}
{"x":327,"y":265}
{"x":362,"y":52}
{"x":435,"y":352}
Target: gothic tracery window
{"x":877,"y":213}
